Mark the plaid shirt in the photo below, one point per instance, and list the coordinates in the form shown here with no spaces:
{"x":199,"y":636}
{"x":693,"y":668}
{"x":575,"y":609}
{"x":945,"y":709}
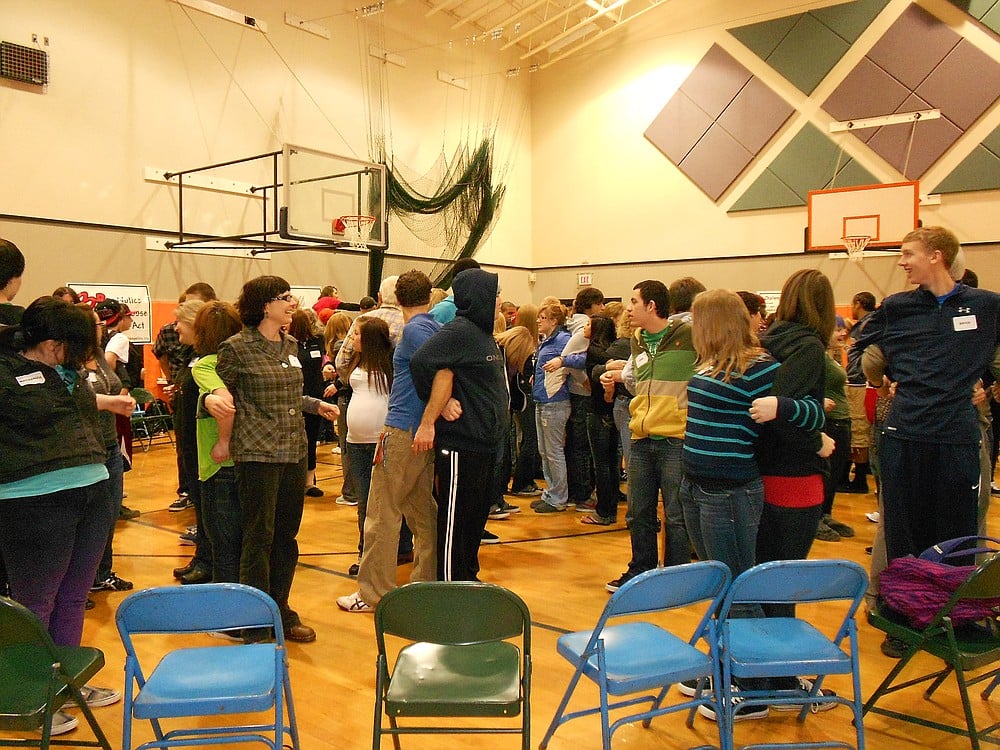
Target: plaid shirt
{"x":265,"y":379}
{"x":168,"y":344}
{"x":393,"y":317}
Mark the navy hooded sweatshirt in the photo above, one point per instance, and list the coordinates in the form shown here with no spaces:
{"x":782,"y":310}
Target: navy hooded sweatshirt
{"x":466,"y":347}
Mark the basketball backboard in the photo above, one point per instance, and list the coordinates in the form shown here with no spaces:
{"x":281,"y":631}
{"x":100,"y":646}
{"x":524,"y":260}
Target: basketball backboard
{"x":885,"y":213}
{"x":321,"y":187}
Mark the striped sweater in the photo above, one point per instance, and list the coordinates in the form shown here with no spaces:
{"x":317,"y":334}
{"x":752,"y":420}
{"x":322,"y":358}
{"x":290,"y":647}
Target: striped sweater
{"x":720,"y":436}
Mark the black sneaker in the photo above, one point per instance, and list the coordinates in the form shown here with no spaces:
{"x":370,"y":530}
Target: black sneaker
{"x":893,"y":647}
{"x":529,"y":491}
{"x":182,"y":502}
{"x":690,"y":687}
{"x":489,"y":538}
{"x":616,"y":584}
{"x":806,"y":686}
{"x":112,"y":583}
{"x":742,"y":713}
{"x":126,"y":513}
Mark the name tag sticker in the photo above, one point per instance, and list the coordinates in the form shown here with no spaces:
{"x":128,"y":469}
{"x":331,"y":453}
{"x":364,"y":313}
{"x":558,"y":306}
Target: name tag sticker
{"x":641,"y":359}
{"x":965,"y":323}
{"x":91,"y":376}
{"x":32,"y":378}
{"x":315,"y":353}
{"x":294,"y":361}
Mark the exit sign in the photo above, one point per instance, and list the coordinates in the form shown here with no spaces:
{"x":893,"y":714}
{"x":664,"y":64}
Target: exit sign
{"x":584,"y":279}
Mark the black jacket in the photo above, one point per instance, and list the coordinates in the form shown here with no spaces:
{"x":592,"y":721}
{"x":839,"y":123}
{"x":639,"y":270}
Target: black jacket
{"x":44,"y":427}
{"x":466,"y":347}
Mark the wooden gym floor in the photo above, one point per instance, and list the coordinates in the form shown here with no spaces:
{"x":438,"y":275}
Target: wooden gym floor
{"x":556,"y":564}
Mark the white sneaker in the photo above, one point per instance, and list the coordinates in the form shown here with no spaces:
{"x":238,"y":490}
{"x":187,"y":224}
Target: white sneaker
{"x":62,"y":722}
{"x":336,"y":450}
{"x":354,"y":603}
{"x":342,"y":500}
{"x":873,"y":516}
{"x":97,"y":697}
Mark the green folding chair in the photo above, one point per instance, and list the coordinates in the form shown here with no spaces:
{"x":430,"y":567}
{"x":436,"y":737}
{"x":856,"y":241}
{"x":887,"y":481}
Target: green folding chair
{"x":962,"y":649}
{"x":37,"y":677}
{"x":467,"y":654}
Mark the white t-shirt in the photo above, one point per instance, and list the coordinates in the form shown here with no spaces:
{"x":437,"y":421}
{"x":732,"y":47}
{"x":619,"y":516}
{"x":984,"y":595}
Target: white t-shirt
{"x":118,"y":345}
{"x":367,"y":409}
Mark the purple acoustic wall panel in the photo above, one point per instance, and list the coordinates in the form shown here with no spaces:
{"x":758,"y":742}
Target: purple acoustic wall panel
{"x":920,"y":63}
{"x":717,"y":122}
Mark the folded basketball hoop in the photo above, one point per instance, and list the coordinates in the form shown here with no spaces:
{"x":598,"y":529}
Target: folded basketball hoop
{"x":357,"y":229}
{"x":856,"y":245}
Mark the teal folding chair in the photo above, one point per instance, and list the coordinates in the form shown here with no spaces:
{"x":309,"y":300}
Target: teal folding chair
{"x":208,"y":681}
{"x":37,"y":677}
{"x":962,"y":648}
{"x":466,"y":653}
{"x":757,"y":648}
{"x":638,"y":656}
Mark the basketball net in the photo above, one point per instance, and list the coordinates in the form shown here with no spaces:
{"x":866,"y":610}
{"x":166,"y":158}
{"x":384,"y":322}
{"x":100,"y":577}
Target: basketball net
{"x":855,"y":245}
{"x":357,"y":229}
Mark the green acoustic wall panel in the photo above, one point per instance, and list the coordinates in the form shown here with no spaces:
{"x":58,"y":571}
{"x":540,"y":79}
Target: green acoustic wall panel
{"x":804,"y":48}
{"x":767,"y":191}
{"x":992,"y":141}
{"x":807,"y":53}
{"x":849,"y":20}
{"x":807,"y":163}
{"x":763,"y":38}
{"x":975,"y":8}
{"x":980,"y":170}
{"x":852,"y":174}
{"x":992,"y":19}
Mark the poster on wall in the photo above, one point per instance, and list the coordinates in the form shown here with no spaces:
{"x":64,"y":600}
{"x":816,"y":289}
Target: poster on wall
{"x":772,"y":299}
{"x":306,"y":295}
{"x":136,"y":296}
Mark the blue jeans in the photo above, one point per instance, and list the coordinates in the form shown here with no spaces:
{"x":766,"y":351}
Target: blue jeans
{"x":654,"y":467}
{"x":550,"y":421}
{"x":223,"y":519}
{"x":622,"y":416}
{"x":359,"y":458}
{"x":722,"y":525}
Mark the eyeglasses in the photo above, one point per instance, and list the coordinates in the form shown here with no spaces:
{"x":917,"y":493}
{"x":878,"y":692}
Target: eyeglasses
{"x":286,"y":297}
{"x":544,"y":317}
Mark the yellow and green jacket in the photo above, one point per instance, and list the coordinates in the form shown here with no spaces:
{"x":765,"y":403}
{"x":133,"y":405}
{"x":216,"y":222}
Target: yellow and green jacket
{"x":659,"y":407}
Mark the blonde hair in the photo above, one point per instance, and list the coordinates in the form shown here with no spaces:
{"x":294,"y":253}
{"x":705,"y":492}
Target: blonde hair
{"x":720,"y":332}
{"x":518,"y":344}
{"x":437,"y":295}
{"x":336,"y":328}
{"x":186,"y":312}
{"x":527,"y":316}
{"x":557,"y":312}
{"x":936,"y":239}
{"x":551,"y":300}
{"x":499,"y":323}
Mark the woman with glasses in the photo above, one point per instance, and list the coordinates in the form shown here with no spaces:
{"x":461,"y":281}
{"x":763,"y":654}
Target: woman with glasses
{"x":261,"y":369}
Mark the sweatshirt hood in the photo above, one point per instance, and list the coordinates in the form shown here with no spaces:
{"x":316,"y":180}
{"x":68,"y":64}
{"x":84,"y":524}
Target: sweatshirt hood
{"x":784,"y":337}
{"x":476,"y":297}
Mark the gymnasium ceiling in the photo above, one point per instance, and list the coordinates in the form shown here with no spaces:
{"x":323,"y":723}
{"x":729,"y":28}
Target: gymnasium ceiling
{"x":546,"y":31}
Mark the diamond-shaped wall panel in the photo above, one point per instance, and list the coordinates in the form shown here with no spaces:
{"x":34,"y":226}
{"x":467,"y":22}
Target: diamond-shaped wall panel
{"x":804,"y":48}
{"x":717,"y":122}
{"x":964,"y":85}
{"x":895,"y":55}
{"x":715,"y":162}
{"x":867,"y":91}
{"x":980,"y":170}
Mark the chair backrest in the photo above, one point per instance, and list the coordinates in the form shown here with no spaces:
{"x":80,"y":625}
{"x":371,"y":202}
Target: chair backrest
{"x":669,"y":588}
{"x":452,"y":613}
{"x":799,"y":582}
{"x":19,"y":626}
{"x":984,"y":583}
{"x":197,"y":609}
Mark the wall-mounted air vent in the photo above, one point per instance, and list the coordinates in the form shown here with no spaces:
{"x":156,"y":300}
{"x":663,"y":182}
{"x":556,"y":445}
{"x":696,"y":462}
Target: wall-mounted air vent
{"x":25,"y":64}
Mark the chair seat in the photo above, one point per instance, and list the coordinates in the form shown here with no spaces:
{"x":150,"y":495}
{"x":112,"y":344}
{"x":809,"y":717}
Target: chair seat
{"x":638,"y":656}
{"x":27,"y":671}
{"x":211,"y":680}
{"x":977,"y":646}
{"x":466,"y":680}
{"x":782,"y":646}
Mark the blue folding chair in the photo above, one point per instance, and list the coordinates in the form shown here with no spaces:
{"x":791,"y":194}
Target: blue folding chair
{"x":211,"y":680}
{"x":639,"y":656}
{"x":766,"y":647}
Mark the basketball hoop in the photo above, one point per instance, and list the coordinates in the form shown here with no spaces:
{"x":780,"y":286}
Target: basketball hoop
{"x":357,"y":229}
{"x":855,"y":245}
